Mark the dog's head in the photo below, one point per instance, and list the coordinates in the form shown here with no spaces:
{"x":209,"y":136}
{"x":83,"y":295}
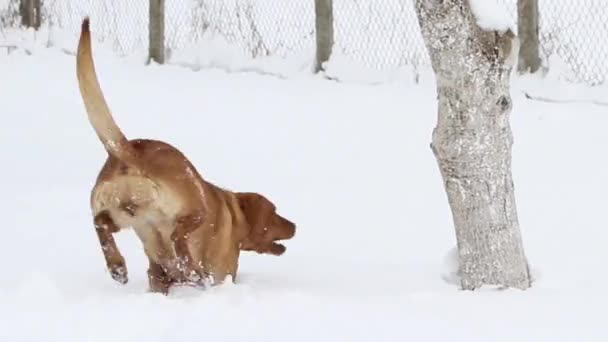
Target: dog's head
{"x":266,"y":226}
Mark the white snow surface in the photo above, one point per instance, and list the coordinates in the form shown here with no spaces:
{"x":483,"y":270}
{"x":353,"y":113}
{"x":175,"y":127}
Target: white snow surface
{"x":492,"y":15}
{"x":349,"y":163}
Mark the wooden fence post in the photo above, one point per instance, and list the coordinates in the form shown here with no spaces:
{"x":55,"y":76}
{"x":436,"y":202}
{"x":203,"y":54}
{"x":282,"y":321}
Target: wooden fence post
{"x":156,"y":49}
{"x":324,"y":25}
{"x":527,"y":30}
{"x":29,"y":10}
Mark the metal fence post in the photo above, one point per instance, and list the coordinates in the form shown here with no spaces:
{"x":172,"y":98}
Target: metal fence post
{"x":324,"y":25}
{"x":156,"y":48}
{"x":527,"y":30}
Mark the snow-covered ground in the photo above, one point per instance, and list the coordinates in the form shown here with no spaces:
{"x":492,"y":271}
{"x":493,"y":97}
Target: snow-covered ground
{"x":349,"y":163}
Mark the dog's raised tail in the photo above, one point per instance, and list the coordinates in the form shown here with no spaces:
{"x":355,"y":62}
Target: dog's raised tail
{"x":97,"y":109}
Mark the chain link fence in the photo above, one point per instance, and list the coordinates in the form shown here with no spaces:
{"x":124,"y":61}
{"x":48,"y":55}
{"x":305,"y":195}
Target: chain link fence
{"x":257,"y":28}
{"x":576,"y":33}
{"x":384,"y":34}
{"x":380,"y":35}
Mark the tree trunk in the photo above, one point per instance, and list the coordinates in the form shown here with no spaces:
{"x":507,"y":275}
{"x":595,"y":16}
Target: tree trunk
{"x":324,"y":26}
{"x":157,"y":31}
{"x":527,"y":30}
{"x":472,"y":141}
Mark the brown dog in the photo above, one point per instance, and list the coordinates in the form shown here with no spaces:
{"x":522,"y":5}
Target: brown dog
{"x":191,"y":230}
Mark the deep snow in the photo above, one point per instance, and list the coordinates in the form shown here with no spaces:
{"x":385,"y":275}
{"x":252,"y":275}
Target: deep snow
{"x":349,"y":163}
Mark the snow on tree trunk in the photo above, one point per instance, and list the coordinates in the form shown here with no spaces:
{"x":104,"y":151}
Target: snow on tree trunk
{"x":472,"y":140}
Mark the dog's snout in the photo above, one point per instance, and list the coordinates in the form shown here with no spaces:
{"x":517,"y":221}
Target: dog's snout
{"x":289,"y":229}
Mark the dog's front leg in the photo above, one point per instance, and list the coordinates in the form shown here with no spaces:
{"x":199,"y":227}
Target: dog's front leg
{"x":184,"y":225}
{"x":158,"y":279}
{"x":105,"y":227}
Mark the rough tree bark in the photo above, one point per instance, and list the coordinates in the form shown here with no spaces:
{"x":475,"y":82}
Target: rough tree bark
{"x":472,"y":141}
{"x":527,"y":30}
{"x":324,"y":26}
{"x":157,"y":31}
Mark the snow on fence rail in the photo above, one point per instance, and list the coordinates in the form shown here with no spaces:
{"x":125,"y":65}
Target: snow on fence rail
{"x":379,"y":35}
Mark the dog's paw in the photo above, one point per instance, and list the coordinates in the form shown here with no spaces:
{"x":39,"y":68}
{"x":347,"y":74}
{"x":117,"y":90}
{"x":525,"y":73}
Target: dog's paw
{"x":159,"y":287}
{"x":193,"y":276}
{"x":119,"y":273}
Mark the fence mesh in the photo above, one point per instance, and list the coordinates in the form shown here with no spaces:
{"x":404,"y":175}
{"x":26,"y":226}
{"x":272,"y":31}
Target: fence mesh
{"x":257,"y":28}
{"x":576,"y":31}
{"x":373,"y":34}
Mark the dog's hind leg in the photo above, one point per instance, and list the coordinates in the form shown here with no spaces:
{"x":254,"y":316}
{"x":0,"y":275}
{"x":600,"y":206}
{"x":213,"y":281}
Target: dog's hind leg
{"x":105,"y":227}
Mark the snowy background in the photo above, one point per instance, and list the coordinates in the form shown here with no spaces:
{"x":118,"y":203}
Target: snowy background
{"x":380,"y":39}
{"x":349,"y":162}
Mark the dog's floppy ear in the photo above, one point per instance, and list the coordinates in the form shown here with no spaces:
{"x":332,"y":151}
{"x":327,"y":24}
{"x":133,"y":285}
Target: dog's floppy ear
{"x":256,"y":211}
{"x":266,"y":226}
